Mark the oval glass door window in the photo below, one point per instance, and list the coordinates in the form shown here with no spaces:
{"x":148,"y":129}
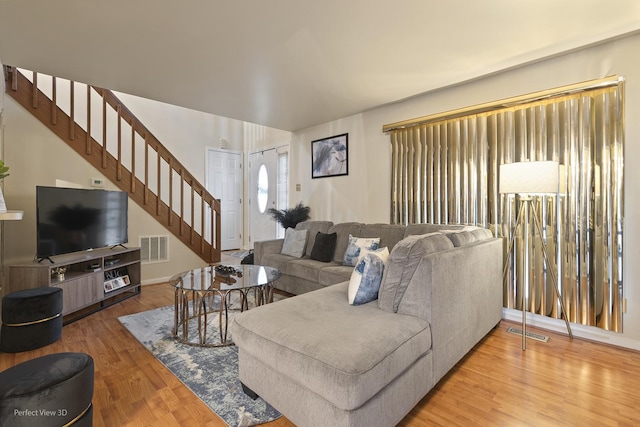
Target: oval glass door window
{"x":263,"y":188}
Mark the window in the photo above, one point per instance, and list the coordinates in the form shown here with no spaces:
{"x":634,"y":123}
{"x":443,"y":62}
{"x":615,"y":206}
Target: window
{"x":445,"y":170}
{"x":263,"y":189}
{"x":283,"y":185}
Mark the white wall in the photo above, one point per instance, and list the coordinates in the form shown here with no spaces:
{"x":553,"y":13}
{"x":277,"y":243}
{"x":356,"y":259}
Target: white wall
{"x":186,"y":133}
{"x":3,"y":89}
{"x":364,"y":194}
{"x":257,"y":137}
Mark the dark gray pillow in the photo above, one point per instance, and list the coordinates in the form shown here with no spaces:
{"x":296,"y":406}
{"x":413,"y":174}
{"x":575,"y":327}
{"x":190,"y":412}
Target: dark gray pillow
{"x":324,"y":246}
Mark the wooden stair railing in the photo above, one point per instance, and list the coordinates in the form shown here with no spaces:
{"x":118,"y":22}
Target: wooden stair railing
{"x":197,"y":224}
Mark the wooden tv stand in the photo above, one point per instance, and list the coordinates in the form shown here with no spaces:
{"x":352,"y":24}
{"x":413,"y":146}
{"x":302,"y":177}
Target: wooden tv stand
{"x":92,"y":280}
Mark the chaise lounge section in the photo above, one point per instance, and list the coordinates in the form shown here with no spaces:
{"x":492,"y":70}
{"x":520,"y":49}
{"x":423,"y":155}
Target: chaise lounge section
{"x":321,"y":361}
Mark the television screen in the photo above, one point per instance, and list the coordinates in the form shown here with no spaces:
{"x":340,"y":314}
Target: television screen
{"x":72,"y":220}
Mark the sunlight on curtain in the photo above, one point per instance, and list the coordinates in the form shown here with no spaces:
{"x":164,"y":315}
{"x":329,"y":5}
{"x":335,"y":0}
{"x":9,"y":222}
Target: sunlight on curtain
{"x":445,"y":171}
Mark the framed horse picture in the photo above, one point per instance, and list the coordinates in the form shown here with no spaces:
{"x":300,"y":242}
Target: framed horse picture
{"x":330,"y":156}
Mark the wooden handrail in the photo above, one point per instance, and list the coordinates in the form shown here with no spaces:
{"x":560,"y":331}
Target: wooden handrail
{"x":97,"y":153}
{"x":142,"y":130}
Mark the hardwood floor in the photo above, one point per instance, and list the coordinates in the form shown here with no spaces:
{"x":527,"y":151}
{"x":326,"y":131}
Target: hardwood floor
{"x":558,"y":383}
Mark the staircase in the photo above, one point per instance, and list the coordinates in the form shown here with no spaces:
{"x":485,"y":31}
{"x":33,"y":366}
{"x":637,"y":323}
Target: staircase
{"x":116,"y":143}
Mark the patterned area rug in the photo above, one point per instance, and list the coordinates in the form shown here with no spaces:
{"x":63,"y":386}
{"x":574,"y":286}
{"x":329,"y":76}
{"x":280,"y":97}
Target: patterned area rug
{"x":211,"y":373}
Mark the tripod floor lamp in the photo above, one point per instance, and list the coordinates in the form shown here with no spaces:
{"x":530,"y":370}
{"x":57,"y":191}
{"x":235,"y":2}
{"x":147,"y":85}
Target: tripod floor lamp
{"x":529,"y":179}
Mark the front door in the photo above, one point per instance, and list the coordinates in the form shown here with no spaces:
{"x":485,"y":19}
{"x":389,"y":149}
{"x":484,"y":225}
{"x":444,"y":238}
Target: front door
{"x":262,"y":195}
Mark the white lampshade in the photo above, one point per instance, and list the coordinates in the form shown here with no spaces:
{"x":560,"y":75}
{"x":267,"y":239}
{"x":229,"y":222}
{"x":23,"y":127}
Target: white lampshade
{"x":529,"y":177}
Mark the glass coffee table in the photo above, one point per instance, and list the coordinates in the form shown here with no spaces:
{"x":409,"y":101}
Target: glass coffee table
{"x":202,"y":292}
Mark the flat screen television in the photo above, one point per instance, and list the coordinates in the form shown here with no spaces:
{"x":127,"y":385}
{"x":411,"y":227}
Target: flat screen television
{"x":73,"y":220}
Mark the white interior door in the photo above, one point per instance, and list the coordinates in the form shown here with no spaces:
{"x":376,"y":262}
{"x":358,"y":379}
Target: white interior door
{"x":262,"y":195}
{"x":224,"y":182}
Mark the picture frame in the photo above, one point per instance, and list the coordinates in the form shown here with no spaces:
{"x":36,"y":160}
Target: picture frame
{"x":330,"y":156}
{"x":117,"y":283}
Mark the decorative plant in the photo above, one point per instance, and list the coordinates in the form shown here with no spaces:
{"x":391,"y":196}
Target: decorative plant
{"x":292,"y":216}
{"x":3,"y":170}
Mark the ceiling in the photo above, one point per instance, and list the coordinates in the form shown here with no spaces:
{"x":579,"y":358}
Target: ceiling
{"x":292,"y":64}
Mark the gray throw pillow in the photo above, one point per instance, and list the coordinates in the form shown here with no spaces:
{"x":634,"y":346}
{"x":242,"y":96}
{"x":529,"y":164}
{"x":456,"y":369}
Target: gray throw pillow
{"x":294,"y":242}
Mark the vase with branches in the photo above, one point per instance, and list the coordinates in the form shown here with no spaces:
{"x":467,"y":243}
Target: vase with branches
{"x":290,"y":217}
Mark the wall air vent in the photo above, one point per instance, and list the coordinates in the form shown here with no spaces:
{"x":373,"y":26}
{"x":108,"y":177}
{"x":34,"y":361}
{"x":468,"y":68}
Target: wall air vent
{"x":154,"y":249}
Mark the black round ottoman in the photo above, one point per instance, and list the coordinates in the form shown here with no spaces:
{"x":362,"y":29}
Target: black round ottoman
{"x":31,"y":319}
{"x":53,"y":390}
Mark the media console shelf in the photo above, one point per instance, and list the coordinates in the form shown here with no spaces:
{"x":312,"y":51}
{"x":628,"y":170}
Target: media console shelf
{"x":90,"y":280}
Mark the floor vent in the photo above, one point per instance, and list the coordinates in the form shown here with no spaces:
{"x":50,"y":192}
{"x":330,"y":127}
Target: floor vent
{"x":531,"y":335}
{"x":154,"y":249}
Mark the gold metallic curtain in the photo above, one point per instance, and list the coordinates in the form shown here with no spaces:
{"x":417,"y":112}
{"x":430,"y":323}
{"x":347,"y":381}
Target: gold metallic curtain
{"x":446,"y":171}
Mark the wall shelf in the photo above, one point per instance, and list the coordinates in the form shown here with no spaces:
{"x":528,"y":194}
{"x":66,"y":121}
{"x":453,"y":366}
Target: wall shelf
{"x":11,"y":215}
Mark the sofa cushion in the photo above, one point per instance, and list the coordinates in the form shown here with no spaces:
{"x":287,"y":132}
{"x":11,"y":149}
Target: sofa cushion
{"x":461,"y":238}
{"x":277,"y":260}
{"x":468,"y":236}
{"x":367,"y":275}
{"x":389,"y":234}
{"x":295,"y":242}
{"x":356,"y":244}
{"x":312,"y":228}
{"x":334,"y":273}
{"x":306,"y":268}
{"x":482,"y":234}
{"x":262,"y":247}
{"x":414,"y":229}
{"x":297,"y":337}
{"x":403,"y":261}
{"x":324,"y":247}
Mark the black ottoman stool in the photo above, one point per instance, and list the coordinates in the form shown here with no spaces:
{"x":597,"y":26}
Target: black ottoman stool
{"x":53,"y":390}
{"x":31,"y":319}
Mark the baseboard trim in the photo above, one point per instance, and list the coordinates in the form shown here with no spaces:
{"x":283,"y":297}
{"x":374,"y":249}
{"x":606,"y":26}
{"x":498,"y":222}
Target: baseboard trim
{"x":155,"y":281}
{"x":590,"y":333}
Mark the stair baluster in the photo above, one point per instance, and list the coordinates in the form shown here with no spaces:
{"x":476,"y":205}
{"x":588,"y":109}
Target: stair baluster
{"x":28,"y":94}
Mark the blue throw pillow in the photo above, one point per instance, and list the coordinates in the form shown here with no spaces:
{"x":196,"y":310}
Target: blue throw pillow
{"x":356,"y":244}
{"x":367,"y":275}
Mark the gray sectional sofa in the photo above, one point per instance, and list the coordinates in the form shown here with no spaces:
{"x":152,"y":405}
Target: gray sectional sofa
{"x":321,"y":361}
{"x":300,"y":275}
